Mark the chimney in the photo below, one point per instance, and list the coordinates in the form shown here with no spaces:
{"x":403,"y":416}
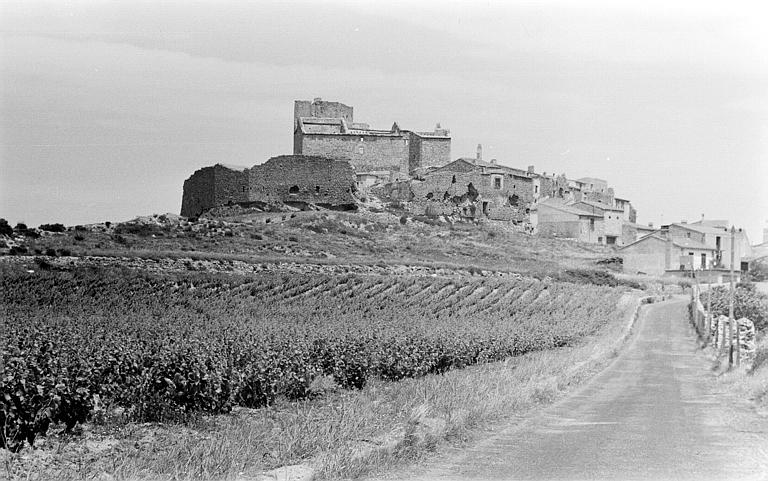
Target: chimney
{"x":479,"y":151}
{"x":530,"y":169}
{"x":650,"y":224}
{"x":317,"y":99}
{"x":493,"y":161}
{"x":683,"y":221}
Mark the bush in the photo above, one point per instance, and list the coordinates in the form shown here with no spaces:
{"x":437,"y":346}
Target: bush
{"x":65,"y":252}
{"x":78,"y":237}
{"x":20,"y":227}
{"x":50,"y":252}
{"x":53,"y":227}
{"x":18,"y":250}
{"x":747,"y":302}
{"x":5,"y":228}
{"x":404,"y":220}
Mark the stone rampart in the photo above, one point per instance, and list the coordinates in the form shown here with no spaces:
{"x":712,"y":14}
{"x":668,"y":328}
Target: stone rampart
{"x":213,"y":186}
{"x":298,"y":178}
{"x":288,"y":178}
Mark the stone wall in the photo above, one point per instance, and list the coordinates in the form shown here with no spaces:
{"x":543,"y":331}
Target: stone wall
{"x":366,"y":153}
{"x":288,"y":178}
{"x":430,"y":152}
{"x":297,"y":178}
{"x":213,"y":186}
{"x":322,"y":108}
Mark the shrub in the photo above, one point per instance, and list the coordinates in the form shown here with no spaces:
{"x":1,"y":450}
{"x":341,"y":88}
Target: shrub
{"x":5,"y":228}
{"x":50,"y":252}
{"x":65,"y":252}
{"x":20,"y":227}
{"x":747,"y":302}
{"x":18,"y":250}
{"x":53,"y":227}
{"x":80,"y":228}
{"x":404,"y":220}
{"x":78,"y":237}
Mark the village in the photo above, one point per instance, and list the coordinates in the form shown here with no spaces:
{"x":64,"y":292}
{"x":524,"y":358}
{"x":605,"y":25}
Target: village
{"x":337,"y":160}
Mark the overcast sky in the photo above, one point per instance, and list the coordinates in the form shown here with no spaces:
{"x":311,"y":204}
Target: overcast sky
{"x":106,"y":107}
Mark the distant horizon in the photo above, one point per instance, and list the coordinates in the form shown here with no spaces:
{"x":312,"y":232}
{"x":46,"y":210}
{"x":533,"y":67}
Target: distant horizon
{"x":108,"y":108}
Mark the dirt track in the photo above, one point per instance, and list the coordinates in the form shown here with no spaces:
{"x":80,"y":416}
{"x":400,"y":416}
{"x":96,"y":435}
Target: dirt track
{"x":655,"y":413}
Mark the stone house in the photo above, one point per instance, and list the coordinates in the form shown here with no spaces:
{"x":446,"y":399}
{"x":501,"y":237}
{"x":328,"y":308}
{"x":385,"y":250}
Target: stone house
{"x":612,"y":220}
{"x":715,"y":236}
{"x":327,"y":129}
{"x":288,"y":179}
{"x":555,"y":218}
{"x":659,"y":254}
{"x":475,"y":189}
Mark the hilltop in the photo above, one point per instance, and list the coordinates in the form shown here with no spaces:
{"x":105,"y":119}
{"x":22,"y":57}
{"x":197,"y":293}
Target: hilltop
{"x":367,"y":237}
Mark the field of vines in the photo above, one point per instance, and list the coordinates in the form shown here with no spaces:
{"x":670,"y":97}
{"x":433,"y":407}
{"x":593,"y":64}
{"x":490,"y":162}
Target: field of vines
{"x":164,"y":346}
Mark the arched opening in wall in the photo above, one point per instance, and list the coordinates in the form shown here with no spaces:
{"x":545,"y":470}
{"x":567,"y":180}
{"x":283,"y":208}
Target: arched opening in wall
{"x":294,"y":190}
{"x":317,"y":189}
{"x":453,"y":180}
{"x":430,"y":195}
{"x":513,"y":200}
{"x":560,"y":192}
{"x":446,"y":196}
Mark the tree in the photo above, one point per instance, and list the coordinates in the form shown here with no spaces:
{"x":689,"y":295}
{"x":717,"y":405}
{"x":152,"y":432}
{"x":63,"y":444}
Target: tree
{"x":5,"y":228}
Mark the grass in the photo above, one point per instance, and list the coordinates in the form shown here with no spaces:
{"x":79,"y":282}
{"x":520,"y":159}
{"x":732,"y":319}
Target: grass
{"x":344,"y":434}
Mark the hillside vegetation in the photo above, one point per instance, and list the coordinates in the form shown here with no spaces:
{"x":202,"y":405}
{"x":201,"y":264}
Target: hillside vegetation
{"x":324,"y":237}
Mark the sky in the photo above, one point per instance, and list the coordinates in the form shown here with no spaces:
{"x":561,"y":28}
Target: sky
{"x":106,"y":107}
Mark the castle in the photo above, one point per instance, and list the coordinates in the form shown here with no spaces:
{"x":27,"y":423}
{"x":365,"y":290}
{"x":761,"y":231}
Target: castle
{"x":327,"y":129}
{"x":334,"y":156}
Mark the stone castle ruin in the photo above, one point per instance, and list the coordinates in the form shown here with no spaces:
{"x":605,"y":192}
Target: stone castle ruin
{"x":334,"y":156}
{"x":285,"y":179}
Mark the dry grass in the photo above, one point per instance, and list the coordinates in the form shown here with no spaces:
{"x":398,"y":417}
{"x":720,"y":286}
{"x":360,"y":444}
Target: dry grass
{"x":749,"y":384}
{"x":344,"y":434}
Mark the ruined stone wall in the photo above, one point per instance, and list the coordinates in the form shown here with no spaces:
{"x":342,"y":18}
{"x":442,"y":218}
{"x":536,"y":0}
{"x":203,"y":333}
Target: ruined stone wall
{"x":322,"y":108}
{"x":296,"y":178}
{"x":473,"y":194}
{"x":365,"y":153}
{"x":213,"y":186}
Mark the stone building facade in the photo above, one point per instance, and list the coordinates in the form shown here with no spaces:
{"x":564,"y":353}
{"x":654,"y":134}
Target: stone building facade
{"x":327,"y":129}
{"x":286,"y":179}
{"x":472,"y":189}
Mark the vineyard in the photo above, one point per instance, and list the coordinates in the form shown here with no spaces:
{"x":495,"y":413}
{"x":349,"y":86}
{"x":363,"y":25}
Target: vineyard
{"x":163,"y":346}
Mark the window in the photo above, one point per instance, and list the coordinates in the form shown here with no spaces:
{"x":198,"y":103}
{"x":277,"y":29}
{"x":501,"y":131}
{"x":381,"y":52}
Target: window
{"x":294,"y":190}
{"x":599,"y":240}
{"x":317,"y":189}
{"x":360,"y":149}
{"x":535,"y":189}
{"x":497,"y":182}
{"x":592,"y":225}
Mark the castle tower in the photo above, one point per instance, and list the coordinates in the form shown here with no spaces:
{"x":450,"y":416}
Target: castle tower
{"x":479,"y":151}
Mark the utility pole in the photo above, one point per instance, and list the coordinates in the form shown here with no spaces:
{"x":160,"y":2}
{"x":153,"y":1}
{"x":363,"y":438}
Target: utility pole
{"x":709,"y":310}
{"x":734,"y":354}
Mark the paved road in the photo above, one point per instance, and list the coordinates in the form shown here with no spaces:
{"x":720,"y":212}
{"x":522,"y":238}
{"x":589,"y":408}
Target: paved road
{"x":655,"y":413}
